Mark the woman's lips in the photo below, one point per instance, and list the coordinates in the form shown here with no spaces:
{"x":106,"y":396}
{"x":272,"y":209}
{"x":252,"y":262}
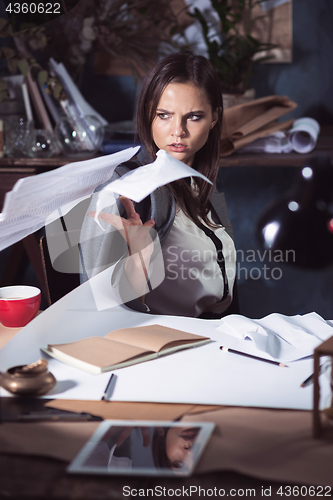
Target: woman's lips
{"x":177,"y":148}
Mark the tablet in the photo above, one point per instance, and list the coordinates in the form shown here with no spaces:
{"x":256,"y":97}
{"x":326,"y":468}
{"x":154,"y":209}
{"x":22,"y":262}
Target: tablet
{"x":143,"y":448}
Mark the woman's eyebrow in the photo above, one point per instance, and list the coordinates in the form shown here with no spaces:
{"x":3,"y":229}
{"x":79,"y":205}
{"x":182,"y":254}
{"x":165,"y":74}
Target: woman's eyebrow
{"x":164,"y":111}
{"x":195,"y":112}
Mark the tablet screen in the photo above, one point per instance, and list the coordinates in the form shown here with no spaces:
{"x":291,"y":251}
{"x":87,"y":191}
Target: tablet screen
{"x":143,"y":448}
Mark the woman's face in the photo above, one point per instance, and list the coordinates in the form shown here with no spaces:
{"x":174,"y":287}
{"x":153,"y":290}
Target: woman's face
{"x":179,"y":443}
{"x":183,"y":121}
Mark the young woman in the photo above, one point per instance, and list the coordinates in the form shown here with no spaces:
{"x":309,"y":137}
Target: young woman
{"x":180,"y":111}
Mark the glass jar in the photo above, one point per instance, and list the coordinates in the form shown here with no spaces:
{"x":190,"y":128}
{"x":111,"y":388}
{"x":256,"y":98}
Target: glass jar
{"x":79,"y":137}
{"x":42,"y":144}
{"x":18,"y":134}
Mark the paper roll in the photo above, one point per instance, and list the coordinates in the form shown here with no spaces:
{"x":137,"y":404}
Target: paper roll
{"x":304,"y":134}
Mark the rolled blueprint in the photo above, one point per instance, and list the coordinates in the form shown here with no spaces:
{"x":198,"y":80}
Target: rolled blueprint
{"x":304,"y":134}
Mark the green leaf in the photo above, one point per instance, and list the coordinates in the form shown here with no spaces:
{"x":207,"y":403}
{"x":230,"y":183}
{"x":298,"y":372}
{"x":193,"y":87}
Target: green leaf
{"x":173,"y":30}
{"x":42,"y":76}
{"x":52,"y":81}
{"x":43,"y":41}
{"x":202,"y":21}
{"x":57,"y":91}
{"x":23,"y":66}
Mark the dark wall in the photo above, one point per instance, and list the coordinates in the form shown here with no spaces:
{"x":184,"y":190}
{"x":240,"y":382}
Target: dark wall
{"x":112,"y":96}
{"x":269,"y":283}
{"x":308,"y":80}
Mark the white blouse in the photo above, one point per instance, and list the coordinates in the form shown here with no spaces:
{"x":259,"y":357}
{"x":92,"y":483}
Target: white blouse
{"x":193,"y":281}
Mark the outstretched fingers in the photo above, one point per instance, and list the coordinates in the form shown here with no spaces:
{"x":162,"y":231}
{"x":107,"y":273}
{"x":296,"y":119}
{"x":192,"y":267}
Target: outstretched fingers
{"x":130,"y":209}
{"x":112,"y":219}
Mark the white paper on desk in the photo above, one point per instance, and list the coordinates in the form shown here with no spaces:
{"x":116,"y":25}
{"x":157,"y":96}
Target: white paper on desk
{"x":283,"y":338}
{"x":36,"y":200}
{"x":300,"y":331}
{"x":202,"y":375}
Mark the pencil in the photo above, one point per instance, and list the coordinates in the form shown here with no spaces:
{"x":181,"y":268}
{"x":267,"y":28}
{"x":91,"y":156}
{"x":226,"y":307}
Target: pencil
{"x":106,"y":394}
{"x":277,"y":363}
{"x":309,"y":380}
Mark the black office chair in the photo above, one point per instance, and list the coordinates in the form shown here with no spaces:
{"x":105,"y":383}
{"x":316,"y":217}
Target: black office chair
{"x":59,"y":283}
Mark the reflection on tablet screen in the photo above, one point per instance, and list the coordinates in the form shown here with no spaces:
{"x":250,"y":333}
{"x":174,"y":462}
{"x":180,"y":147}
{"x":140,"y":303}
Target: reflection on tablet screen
{"x":143,"y":448}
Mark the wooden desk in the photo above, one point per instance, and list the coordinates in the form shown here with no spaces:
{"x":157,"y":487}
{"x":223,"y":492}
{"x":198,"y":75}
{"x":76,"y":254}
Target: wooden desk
{"x":36,"y":477}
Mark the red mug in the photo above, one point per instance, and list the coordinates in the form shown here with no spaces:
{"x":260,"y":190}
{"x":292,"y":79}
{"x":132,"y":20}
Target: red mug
{"x":19,"y":304}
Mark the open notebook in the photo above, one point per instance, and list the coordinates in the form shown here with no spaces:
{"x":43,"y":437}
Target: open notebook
{"x":123,"y":347}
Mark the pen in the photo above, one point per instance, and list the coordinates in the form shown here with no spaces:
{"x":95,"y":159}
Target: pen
{"x":108,"y":388}
{"x":227,"y":349}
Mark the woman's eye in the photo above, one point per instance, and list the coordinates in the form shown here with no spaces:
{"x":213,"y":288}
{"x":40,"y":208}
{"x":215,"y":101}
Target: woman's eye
{"x":194,"y":117}
{"x":163,"y":116}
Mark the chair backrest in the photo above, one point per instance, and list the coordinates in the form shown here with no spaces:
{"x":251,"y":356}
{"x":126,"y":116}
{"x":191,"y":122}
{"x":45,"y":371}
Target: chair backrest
{"x":59,"y":283}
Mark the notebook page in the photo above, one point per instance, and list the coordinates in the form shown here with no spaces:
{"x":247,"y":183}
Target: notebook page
{"x":153,"y":337}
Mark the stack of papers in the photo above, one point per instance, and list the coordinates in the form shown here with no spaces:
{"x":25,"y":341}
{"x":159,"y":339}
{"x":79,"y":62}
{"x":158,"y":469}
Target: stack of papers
{"x":282,"y":338}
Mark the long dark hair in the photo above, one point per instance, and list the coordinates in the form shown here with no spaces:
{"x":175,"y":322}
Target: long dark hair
{"x":184,"y":67}
{"x":158,"y":446}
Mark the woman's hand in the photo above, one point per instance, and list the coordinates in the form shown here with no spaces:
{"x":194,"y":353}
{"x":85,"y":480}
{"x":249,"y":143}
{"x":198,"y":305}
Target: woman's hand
{"x":133,"y":230}
{"x":125,"y":432}
{"x":140,"y":244}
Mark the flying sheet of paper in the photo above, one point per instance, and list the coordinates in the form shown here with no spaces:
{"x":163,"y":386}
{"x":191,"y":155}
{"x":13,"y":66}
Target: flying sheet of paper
{"x":33,"y":199}
{"x":142,"y":181}
{"x":139,"y":183}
